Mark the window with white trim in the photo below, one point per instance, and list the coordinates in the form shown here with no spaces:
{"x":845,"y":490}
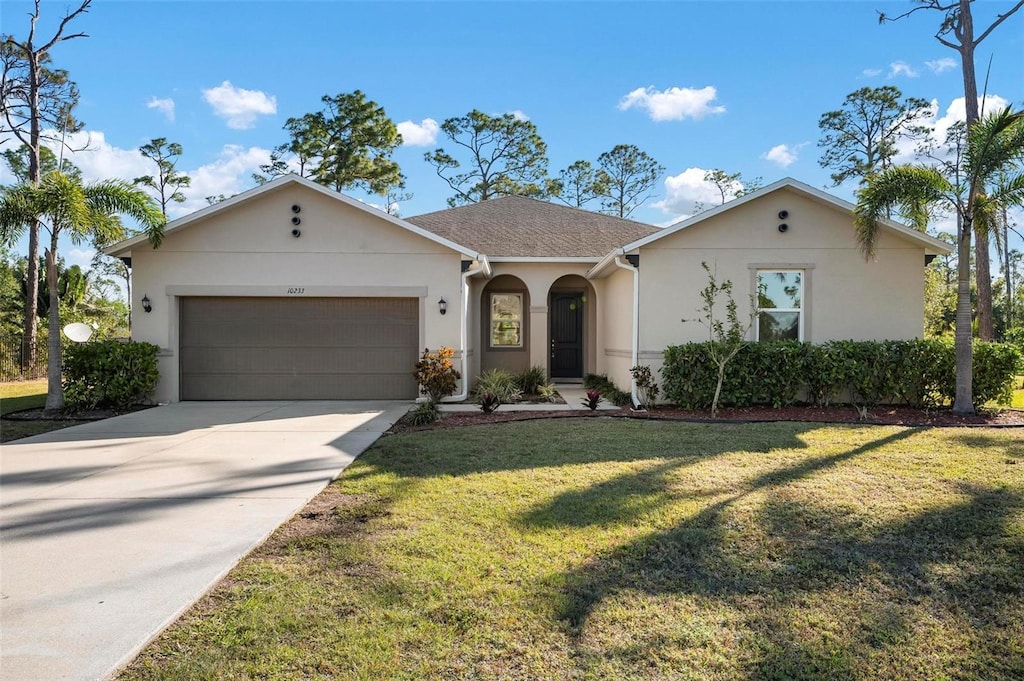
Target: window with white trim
{"x":780,"y":314}
{"x":506,"y":320}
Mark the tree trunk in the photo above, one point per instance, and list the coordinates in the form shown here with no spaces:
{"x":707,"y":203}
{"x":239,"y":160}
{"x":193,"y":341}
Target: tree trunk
{"x":30,"y":335}
{"x":54,"y":390}
{"x":1007,"y":274}
{"x":718,"y":390}
{"x":964,"y":402}
{"x":983,"y":283}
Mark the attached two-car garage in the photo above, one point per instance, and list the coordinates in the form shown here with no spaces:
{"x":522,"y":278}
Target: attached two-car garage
{"x":298,"y":348}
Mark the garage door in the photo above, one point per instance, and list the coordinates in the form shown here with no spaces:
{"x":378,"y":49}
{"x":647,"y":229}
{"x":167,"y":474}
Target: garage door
{"x":298,"y":348}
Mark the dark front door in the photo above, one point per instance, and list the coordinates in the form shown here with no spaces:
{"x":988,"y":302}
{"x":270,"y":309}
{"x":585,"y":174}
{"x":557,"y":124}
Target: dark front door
{"x":566,"y":335}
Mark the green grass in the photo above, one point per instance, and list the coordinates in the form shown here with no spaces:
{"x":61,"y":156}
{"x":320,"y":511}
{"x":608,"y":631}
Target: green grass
{"x":1018,"y":393}
{"x":20,"y":395}
{"x":611,"y":549}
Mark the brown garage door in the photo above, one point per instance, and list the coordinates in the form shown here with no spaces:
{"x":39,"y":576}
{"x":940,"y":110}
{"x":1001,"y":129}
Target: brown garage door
{"x":298,"y":348}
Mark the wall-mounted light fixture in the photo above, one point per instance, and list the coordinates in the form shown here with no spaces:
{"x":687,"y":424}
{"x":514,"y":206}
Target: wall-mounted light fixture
{"x":146,"y":304}
{"x":442,"y":305}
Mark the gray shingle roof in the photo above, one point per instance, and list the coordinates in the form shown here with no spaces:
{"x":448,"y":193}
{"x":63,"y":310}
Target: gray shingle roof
{"x":515,"y":226}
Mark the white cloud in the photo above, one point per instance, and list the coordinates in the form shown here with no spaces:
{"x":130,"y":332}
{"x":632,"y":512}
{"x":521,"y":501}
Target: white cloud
{"x":939,"y":125}
{"x":100,"y":160}
{"x":80,"y":256}
{"x":165,"y":106}
{"x":422,"y":134}
{"x":688,"y":188}
{"x":781,"y":154}
{"x":229,"y":174}
{"x":940,"y":65}
{"x":673,"y":104}
{"x":901,"y":68}
{"x":238,"y":106}
{"x":871,"y":73}
{"x":519,"y":115}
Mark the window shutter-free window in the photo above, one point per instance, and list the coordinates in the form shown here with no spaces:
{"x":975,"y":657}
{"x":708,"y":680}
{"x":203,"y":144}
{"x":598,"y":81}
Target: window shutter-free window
{"x":506,"y":320}
{"x":780,"y":305}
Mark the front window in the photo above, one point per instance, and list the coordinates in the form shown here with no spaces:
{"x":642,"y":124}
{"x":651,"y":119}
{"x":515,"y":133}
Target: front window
{"x":779,"y":305}
{"x":506,"y":320}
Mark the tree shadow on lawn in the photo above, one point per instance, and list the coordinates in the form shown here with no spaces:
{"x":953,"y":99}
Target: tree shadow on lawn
{"x":776,"y":562}
{"x":563,"y":442}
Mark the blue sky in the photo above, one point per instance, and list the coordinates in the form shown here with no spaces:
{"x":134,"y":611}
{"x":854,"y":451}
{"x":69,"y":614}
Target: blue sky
{"x":697,"y":85}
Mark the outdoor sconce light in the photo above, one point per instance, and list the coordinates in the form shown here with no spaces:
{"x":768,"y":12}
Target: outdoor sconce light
{"x":442,"y":305}
{"x":146,"y":304}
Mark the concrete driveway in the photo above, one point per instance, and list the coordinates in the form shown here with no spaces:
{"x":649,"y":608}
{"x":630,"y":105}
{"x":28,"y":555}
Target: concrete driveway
{"x":109,"y":530}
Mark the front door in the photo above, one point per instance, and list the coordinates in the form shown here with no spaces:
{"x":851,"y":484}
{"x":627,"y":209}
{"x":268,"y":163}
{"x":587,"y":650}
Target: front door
{"x":566,"y":335}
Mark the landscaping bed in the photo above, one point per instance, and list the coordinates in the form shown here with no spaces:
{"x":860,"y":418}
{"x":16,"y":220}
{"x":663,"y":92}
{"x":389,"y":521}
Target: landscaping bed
{"x":895,"y":416}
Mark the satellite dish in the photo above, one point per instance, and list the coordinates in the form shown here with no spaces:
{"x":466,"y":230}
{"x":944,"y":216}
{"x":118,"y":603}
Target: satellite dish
{"x":78,"y":332}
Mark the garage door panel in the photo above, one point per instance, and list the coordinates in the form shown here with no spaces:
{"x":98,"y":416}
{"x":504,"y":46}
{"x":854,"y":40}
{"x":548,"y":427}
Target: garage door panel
{"x":298,"y":348}
{"x":228,"y":361}
{"x":298,"y":387}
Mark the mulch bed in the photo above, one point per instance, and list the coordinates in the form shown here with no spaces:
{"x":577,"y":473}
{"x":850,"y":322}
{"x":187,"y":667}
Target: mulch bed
{"x":39,"y":414}
{"x":896,"y":416}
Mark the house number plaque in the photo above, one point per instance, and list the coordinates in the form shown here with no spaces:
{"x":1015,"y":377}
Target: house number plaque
{"x":296,"y":290}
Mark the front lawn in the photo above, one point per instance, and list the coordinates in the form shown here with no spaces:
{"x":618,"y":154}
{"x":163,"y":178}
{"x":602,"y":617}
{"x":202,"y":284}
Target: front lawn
{"x":21,"y":395}
{"x":599,"y":548}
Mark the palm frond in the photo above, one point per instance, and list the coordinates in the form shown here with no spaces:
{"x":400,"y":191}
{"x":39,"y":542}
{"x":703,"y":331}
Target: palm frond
{"x":995,"y":144}
{"x":910,"y":190}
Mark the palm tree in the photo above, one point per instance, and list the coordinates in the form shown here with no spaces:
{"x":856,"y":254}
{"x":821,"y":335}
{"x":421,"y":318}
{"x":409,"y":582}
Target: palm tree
{"x":63,"y":205}
{"x":990,"y":178}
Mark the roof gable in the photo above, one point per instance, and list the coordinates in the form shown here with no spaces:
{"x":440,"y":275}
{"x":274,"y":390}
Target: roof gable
{"x":931,"y":245}
{"x":516,"y":227}
{"x":125,"y":247}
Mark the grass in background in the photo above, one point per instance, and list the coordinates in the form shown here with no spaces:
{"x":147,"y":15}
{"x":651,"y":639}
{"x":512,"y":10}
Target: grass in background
{"x":606,"y":549}
{"x":21,"y":395}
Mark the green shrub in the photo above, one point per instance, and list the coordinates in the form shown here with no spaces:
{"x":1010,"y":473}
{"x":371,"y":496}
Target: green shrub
{"x":501,"y":383}
{"x":994,"y":367}
{"x":646,"y":388}
{"x":424,"y":414}
{"x":607,"y":389}
{"x":488,"y":401}
{"x":530,"y":380}
{"x":109,"y":374}
{"x":436,"y":375}
{"x":917,"y":373}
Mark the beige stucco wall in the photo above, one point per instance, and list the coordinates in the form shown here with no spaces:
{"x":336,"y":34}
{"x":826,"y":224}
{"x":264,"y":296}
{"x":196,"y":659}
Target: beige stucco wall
{"x":616,"y":330}
{"x":248,"y":250}
{"x":845,"y":296}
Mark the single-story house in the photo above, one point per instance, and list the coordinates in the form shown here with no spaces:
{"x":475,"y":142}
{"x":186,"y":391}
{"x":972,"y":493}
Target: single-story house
{"x":293,"y":291}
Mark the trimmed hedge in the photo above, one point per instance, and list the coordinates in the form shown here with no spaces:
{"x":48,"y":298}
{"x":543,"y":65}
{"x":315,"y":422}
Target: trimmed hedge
{"x":917,"y":373}
{"x":109,"y":374}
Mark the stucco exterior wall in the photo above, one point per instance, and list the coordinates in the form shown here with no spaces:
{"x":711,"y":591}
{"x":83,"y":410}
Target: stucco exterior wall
{"x":845,"y":296}
{"x":249,"y":250}
{"x":616,"y":330}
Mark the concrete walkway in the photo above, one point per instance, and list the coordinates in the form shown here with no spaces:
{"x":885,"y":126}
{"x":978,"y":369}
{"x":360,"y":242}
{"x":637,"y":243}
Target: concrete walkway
{"x":109,"y":530}
{"x":572,"y":393}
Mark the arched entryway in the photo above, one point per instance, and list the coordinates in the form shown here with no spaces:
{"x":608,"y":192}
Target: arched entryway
{"x":572,"y":324}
